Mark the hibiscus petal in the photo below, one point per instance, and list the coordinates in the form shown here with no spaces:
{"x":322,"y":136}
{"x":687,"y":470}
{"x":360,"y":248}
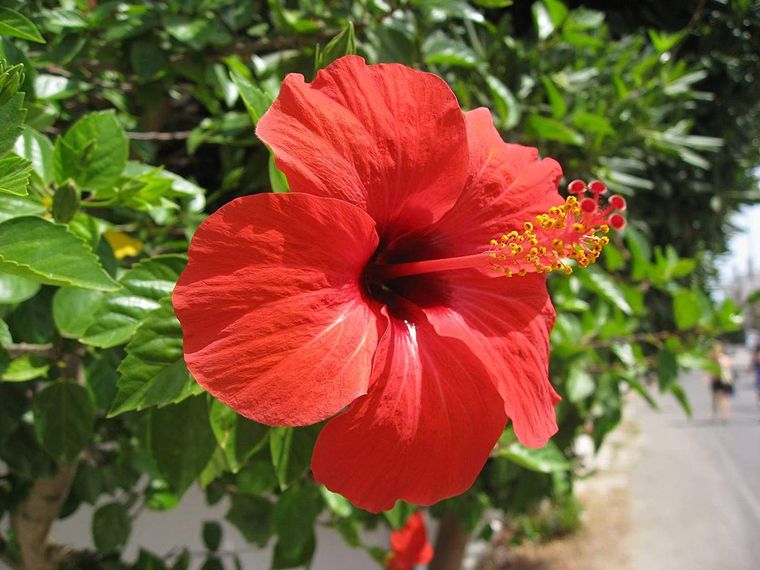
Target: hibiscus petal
{"x":386,"y":138}
{"x":275,"y":324}
{"x":410,"y":545}
{"x":506,"y":322}
{"x":424,"y":430}
{"x":507,"y":185}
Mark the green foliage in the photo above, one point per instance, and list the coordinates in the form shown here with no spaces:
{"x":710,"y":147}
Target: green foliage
{"x":131,"y":124}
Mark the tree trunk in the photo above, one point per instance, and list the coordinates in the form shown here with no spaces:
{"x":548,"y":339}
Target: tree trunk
{"x":32,"y":521}
{"x":449,"y":544}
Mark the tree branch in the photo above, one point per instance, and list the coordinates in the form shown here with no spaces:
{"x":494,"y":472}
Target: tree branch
{"x":32,"y":520}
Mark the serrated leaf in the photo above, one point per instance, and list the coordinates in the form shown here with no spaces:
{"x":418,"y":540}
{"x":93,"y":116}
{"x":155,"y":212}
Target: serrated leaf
{"x":154,"y":373}
{"x":181,"y":441}
{"x":142,"y":288}
{"x":18,"y":26}
{"x":14,"y":175}
{"x":63,"y":419}
{"x":11,"y":122}
{"x":93,"y":153}
{"x":48,"y":253}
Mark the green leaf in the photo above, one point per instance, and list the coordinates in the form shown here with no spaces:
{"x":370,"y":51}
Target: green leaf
{"x":111,"y":526}
{"x":142,"y":288}
{"x":294,"y":517}
{"x":256,"y":100}
{"x":291,"y":450}
{"x":552,"y":130}
{"x":686,"y":309}
{"x":682,"y":398}
{"x":66,"y":202}
{"x":276,"y":177}
{"x":93,"y":153}
{"x":181,"y":441}
{"x":154,"y":373}
{"x":14,"y":175}
{"x":18,"y":26}
{"x":546,"y":459}
{"x":505,"y":103}
{"x":11,"y":122}
{"x":557,"y":102}
{"x":74,"y":310}
{"x":33,"y":248}
{"x":439,"y":49}
{"x":253,"y":517}
{"x":344,"y":43}
{"x":238,"y":437}
{"x":24,"y":368}
{"x":399,"y":514}
{"x":667,"y":369}
{"x":5,"y":336}
{"x":212,"y":535}
{"x":601,"y":282}
{"x":63,"y":419}
{"x":14,"y":289}
{"x":17,"y":206}
{"x":580,"y":384}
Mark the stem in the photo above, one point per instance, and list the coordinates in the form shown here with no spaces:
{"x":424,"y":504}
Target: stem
{"x":32,"y":520}
{"x":394,"y":270}
{"x":449,"y":544}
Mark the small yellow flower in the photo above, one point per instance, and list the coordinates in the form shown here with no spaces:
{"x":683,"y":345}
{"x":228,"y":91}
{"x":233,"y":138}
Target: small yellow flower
{"x":123,"y":245}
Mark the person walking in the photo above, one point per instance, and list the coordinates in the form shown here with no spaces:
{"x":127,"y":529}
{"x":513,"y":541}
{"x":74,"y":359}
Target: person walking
{"x":722,"y":384}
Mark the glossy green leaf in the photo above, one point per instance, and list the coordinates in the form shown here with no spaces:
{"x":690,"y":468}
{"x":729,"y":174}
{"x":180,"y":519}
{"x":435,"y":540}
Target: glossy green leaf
{"x":74,"y":310}
{"x":14,"y":289}
{"x":601,"y":283}
{"x":17,"y":206}
{"x":111,"y":526}
{"x":256,"y":100}
{"x":11,"y":122}
{"x":552,"y":130}
{"x":580,"y":384}
{"x":154,"y":373}
{"x":92,"y":153}
{"x":42,"y":251}
{"x":142,"y":288}
{"x":17,"y":25}
{"x":667,"y":369}
{"x":14,"y":175}
{"x":344,"y":43}
{"x":506,"y":105}
{"x":24,"y":368}
{"x":63,"y":419}
{"x":181,"y":441}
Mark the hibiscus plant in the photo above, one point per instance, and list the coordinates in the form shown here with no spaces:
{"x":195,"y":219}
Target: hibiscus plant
{"x":334,"y":265}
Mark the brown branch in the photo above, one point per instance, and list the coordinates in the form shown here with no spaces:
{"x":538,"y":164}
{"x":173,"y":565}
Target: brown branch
{"x":22,"y":348}
{"x":32,"y":520}
{"x":159,"y":136}
{"x":450,"y":544}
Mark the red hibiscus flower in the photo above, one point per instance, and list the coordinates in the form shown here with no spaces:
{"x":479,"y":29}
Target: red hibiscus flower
{"x":376,"y":290}
{"x":410,"y":545}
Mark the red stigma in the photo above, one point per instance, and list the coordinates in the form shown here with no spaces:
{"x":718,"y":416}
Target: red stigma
{"x":597,"y":187}
{"x":576,"y":187}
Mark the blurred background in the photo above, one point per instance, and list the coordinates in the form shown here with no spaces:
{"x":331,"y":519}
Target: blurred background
{"x":139,"y":122}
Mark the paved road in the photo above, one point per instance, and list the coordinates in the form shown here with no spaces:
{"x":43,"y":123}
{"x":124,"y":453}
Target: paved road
{"x":696,"y":487}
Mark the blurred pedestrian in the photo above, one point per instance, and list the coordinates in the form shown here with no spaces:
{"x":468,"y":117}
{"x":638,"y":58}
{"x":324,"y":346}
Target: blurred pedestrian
{"x":722,"y":384}
{"x":756,"y":365}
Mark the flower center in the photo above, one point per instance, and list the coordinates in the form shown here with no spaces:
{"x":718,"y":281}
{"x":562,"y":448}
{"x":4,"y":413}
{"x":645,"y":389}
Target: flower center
{"x":565,"y":232}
